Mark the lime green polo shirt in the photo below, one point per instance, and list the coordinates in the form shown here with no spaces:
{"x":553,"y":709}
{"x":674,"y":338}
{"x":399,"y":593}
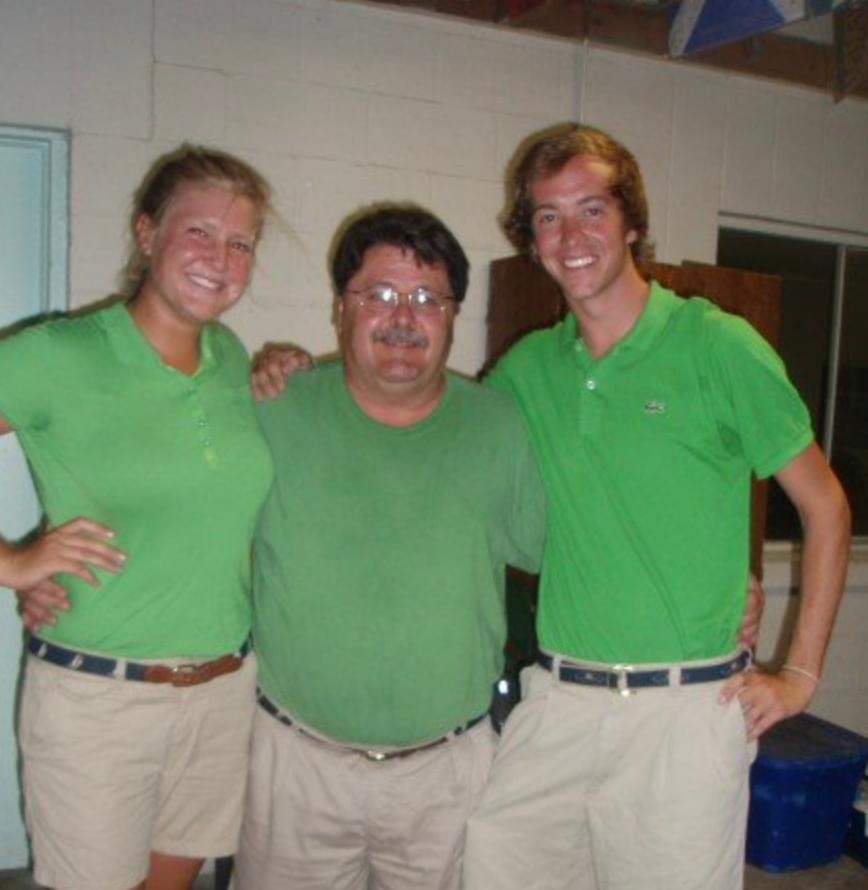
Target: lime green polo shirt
{"x":174,"y":464}
{"x":380,"y":558}
{"x":647,"y":456}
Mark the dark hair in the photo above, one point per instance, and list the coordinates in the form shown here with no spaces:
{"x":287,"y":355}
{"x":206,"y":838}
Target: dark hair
{"x":197,"y":164}
{"x":547,"y":152}
{"x":405,"y":226}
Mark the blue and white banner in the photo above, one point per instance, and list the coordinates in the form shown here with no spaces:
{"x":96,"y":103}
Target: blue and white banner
{"x":704,"y":24}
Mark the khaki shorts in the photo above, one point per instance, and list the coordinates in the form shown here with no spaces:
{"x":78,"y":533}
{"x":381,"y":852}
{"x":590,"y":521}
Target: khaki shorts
{"x":593,"y":790}
{"x":321,"y":817}
{"x":116,"y":769}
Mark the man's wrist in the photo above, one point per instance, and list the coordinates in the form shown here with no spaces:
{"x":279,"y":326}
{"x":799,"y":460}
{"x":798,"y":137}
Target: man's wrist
{"x":801,"y":672}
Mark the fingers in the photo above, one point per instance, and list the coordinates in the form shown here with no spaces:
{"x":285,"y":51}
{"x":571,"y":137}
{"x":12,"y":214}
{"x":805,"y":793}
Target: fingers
{"x":273,"y":365}
{"x":83,"y":525}
{"x":732,"y":687}
{"x":767,"y":699}
{"x":38,"y":605}
{"x":77,"y":547}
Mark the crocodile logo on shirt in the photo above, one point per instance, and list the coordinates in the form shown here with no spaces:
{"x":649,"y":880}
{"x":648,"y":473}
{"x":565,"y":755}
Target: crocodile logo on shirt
{"x":653,"y":406}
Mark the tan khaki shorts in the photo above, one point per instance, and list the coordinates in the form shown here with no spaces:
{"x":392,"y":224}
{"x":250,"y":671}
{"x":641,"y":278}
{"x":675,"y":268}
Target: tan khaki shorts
{"x":320,"y":817}
{"x":115,"y":769}
{"x":594,"y":790}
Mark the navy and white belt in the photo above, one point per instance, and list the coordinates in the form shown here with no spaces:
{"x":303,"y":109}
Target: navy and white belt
{"x":374,"y":754}
{"x":177,"y":675}
{"x":622,"y":678}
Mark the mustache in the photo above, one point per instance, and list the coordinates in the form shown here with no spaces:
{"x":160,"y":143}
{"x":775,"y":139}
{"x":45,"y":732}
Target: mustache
{"x":401,"y":336}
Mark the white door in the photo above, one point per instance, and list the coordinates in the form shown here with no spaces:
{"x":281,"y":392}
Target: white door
{"x":33,"y":280}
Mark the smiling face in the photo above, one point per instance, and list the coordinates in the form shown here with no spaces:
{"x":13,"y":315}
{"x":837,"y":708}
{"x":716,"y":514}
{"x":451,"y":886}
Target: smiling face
{"x":579,"y":232}
{"x":397,"y":357}
{"x":199,"y":255}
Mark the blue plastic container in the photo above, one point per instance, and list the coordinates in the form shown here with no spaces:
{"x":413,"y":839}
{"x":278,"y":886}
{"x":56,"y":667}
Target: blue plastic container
{"x":857,"y":836}
{"x":803,"y":783}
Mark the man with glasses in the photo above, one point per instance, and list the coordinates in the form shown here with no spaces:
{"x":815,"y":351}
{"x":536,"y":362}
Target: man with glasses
{"x":401,"y":493}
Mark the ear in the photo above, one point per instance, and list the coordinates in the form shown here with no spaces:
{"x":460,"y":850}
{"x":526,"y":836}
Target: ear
{"x":145,"y":230}
{"x":338,"y":314}
{"x":632,"y":237}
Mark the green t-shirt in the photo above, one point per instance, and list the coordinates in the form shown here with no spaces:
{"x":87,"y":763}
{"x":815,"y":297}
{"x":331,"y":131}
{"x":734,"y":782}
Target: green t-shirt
{"x":380,"y":558}
{"x":174,"y":464}
{"x":646,"y":455}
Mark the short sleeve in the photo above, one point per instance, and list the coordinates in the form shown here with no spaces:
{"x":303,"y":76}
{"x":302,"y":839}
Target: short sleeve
{"x":27,"y":379}
{"x":757,"y":403}
{"x":529,"y":513}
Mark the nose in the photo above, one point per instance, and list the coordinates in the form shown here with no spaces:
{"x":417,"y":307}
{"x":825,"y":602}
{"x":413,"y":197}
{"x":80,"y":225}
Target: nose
{"x":572,"y":230}
{"x":403,"y":310}
{"x":218,"y":255}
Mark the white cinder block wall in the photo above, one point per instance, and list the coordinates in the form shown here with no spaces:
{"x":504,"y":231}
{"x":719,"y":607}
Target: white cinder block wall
{"x":342,"y":104}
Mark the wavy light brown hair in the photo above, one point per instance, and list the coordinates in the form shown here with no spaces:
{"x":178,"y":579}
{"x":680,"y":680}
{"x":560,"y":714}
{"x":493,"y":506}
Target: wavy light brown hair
{"x":546,"y":153}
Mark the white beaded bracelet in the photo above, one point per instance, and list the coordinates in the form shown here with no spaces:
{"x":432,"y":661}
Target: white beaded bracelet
{"x":794,"y":668}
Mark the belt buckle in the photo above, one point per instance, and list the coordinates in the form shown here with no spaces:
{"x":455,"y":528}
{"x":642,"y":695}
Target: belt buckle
{"x":622,"y":685}
{"x":182,"y":674}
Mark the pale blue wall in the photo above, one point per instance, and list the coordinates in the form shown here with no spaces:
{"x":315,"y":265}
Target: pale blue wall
{"x":33,"y":279}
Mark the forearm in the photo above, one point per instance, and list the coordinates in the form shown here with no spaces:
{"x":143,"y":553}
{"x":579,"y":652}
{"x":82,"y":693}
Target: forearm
{"x":7,"y":560}
{"x":825,"y":552}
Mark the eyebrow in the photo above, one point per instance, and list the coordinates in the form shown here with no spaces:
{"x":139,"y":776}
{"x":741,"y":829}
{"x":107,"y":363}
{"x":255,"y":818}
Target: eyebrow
{"x":588,"y":199}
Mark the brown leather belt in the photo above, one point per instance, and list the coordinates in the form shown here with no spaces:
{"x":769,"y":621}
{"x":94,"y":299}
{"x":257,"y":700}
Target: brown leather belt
{"x":191,"y":674}
{"x":177,"y":675}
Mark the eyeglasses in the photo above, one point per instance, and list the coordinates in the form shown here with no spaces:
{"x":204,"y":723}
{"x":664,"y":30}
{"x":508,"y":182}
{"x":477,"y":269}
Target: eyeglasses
{"x":383,"y":298}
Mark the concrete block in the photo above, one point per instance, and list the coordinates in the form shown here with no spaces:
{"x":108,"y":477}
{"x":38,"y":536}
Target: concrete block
{"x":475,"y":306}
{"x":470,"y":207}
{"x":390,"y":184}
{"x":36,"y":63}
{"x":800,"y":137}
{"x":749,"y":151}
{"x":698,"y":139}
{"x":291,"y":271}
{"x":691,"y":233}
{"x":481,"y":69}
{"x":510,"y":131}
{"x":370,"y":49}
{"x":106,"y":170}
{"x":628,"y":96}
{"x":331,"y":190}
{"x":260,"y":38}
{"x":98,"y":251}
{"x":468,"y":346}
{"x":281,"y":172}
{"x":843,"y":201}
{"x":111,"y":67}
{"x":286,"y":117}
{"x":303,"y":326}
{"x":431,"y":136}
{"x":189,"y":104}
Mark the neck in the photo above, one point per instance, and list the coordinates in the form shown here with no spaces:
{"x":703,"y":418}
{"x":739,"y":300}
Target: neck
{"x":398,"y":409}
{"x":609,"y":318}
{"x":176,"y":343}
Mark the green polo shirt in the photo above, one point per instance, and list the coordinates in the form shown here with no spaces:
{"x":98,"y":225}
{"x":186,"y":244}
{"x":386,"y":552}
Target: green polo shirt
{"x":174,"y":464}
{"x":647,"y":456}
{"x":380,"y":558}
